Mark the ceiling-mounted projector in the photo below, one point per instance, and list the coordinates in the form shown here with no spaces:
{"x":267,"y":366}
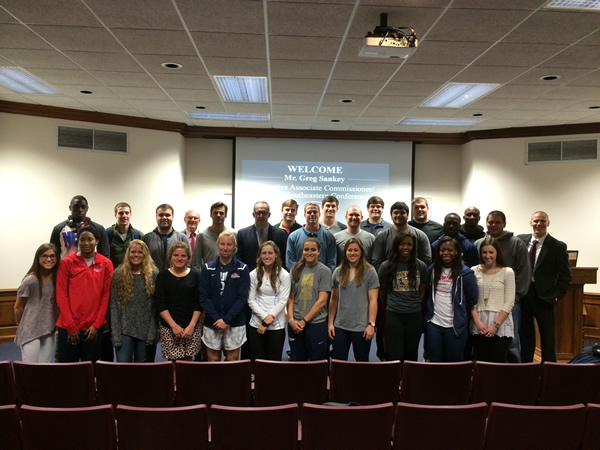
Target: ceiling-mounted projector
{"x":389,"y":42}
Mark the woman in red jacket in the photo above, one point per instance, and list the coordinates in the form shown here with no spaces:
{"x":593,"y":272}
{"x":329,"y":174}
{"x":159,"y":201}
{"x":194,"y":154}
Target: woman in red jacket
{"x":82,"y":293}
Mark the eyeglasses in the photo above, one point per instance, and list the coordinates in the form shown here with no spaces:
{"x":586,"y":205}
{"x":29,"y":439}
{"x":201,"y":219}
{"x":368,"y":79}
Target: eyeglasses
{"x":47,"y":256}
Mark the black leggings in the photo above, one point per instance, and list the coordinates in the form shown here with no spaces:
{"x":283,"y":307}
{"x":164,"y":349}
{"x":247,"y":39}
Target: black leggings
{"x":494,"y":349}
{"x":402,"y":335}
{"x":266,"y":346}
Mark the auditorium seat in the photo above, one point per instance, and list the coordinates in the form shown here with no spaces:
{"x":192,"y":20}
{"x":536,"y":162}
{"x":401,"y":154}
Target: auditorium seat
{"x":162,"y":428}
{"x":135,"y":384}
{"x":518,"y":384}
{"x":366,"y":383}
{"x":429,"y":427}
{"x":10,"y":428}
{"x":224,"y":383}
{"x":64,"y":385}
{"x":534,"y":427}
{"x":256,"y":428}
{"x":283,"y":382}
{"x":591,"y":433}
{"x":89,"y":428}
{"x":436,"y":383}
{"x":567,"y":384}
{"x":7,"y":384}
{"x":347,"y":427}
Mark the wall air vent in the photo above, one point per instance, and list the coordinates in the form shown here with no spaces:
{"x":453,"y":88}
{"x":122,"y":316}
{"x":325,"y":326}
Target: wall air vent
{"x":561,"y":151}
{"x":90,"y":139}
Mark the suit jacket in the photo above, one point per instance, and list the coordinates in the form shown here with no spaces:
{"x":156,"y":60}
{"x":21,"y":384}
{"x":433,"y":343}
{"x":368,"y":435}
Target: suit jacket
{"x":552,"y":271}
{"x":247,"y":244}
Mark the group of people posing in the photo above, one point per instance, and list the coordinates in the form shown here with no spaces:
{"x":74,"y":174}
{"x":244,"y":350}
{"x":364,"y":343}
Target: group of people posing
{"x":221,"y":293}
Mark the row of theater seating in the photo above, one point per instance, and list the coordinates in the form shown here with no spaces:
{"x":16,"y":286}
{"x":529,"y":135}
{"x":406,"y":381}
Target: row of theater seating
{"x":279,"y":383}
{"x":403,"y":426}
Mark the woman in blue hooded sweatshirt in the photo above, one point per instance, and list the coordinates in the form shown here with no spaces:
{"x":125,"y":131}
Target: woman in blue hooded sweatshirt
{"x":451,"y":294}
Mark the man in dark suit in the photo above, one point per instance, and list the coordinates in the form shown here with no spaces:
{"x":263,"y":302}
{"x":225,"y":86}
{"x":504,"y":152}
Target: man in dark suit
{"x":250,"y":238}
{"x":551,"y":276}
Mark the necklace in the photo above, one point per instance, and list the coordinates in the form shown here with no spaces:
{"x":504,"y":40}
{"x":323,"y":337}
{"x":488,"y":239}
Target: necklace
{"x":489,"y":287}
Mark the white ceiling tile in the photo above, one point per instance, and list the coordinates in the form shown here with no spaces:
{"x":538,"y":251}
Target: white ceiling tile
{"x":79,"y":38}
{"x":249,"y":67}
{"x":61,"y":76}
{"x":574,"y":92}
{"x":582,"y":56}
{"x":230,"y":45}
{"x":164,"y":105}
{"x":155,"y":42}
{"x":116,"y":62}
{"x":304,"y":48}
{"x":123,"y":79}
{"x":39,"y":59}
{"x":293,"y":98}
{"x":139,"y":93}
{"x":288,"y":85}
{"x":176,"y":81}
{"x":18,"y":36}
{"x":488,"y":74}
{"x":545,"y":27}
{"x":449,"y":53}
{"x":231,"y":16}
{"x":540,"y":104}
{"x":199,"y":96}
{"x":136,"y":14}
{"x":518,"y":54}
{"x":63,"y":12}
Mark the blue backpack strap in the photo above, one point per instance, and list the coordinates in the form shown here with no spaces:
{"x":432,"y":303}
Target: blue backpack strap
{"x":109,"y":233}
{"x":136,"y":234}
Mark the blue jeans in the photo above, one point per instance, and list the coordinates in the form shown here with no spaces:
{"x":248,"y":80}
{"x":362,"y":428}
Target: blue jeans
{"x":131,"y":350}
{"x":342,"y":341}
{"x":514,"y":351}
{"x":444,"y":345}
{"x":82,"y":351}
{"x":312,"y":344}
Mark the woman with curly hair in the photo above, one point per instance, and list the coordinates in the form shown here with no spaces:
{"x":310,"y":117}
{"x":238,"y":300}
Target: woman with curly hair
{"x":36,"y":310}
{"x":353,"y":304}
{"x":269,"y":292}
{"x":176,"y":301}
{"x":402,"y":279}
{"x":133,"y":321}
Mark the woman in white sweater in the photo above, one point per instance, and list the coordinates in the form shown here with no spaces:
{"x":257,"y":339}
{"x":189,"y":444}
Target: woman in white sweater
{"x":269,"y":292}
{"x":492,"y":325}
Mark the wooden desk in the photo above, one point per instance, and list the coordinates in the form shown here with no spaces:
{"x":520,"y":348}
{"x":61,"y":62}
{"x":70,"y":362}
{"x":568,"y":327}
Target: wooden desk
{"x":569,"y":317}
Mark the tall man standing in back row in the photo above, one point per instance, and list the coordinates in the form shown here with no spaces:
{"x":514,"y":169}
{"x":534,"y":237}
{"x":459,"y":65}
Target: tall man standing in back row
{"x":330,"y":206}
{"x":375,"y":224}
{"x":121,"y":233}
{"x":550,"y":279}
{"x":421,"y":221}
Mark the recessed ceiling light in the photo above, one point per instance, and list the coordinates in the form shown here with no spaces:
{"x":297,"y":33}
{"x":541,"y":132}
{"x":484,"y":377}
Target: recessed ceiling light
{"x":477,"y":115}
{"x":594,"y":107}
{"x":171,"y":65}
{"x":438,"y":122}
{"x":588,"y":5}
{"x":200,"y":107}
{"x":242,"y":89}
{"x":229,"y":116}
{"x":550,"y":77}
{"x":457,"y":95}
{"x":346,"y":100}
{"x":23,"y":82}
{"x":86,"y":92}
{"x":335,"y":120}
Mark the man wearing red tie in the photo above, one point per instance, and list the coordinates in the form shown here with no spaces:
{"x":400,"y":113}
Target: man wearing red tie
{"x":192,"y":220}
{"x":551,"y":276}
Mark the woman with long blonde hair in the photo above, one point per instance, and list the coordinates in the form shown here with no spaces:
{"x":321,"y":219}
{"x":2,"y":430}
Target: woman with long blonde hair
{"x":133,"y":322}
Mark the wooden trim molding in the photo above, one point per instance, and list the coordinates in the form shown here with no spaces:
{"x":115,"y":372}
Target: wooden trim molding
{"x":190,"y":131}
{"x":591,"y":316}
{"x":8,"y":328}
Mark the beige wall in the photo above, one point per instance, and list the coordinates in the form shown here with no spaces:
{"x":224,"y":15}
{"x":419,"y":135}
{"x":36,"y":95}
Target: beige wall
{"x":37,"y":181}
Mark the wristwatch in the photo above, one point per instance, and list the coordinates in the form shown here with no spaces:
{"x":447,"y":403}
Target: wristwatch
{"x":372,"y":324}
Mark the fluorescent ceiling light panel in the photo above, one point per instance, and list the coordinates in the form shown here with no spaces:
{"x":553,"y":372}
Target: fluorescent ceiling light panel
{"x":439,"y":122}
{"x":229,"y":116}
{"x":24,"y":83}
{"x":588,"y":5}
{"x":243,"y":89}
{"x":457,"y":95}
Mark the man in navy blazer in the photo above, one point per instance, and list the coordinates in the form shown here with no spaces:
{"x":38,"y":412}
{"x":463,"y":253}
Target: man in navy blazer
{"x":551,"y":276}
{"x":248,"y":238}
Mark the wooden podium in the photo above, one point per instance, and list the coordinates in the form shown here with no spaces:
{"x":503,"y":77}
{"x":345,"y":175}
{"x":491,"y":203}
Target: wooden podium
{"x":569,"y":317}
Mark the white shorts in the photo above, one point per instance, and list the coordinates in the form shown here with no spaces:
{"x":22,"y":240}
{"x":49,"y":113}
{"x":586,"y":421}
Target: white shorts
{"x":229,"y":339}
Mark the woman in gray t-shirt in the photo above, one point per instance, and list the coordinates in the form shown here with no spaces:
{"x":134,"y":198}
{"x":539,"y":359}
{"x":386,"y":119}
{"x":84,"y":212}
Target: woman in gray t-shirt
{"x":36,"y":310}
{"x":353,"y":305}
{"x":402,"y":279}
{"x":307,"y":310}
